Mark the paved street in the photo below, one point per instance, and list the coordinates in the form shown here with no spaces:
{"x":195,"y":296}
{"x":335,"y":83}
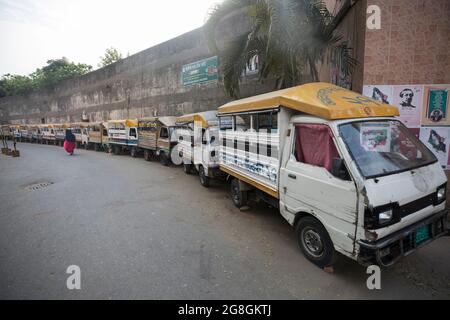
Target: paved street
{"x":139,"y":230}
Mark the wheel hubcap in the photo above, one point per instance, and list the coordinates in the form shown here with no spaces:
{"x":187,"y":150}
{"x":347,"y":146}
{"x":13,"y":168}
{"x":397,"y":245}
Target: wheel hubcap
{"x":312,"y":242}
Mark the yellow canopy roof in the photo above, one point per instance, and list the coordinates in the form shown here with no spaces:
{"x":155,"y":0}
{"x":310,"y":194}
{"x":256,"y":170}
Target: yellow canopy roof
{"x":321,"y":99}
{"x":126,"y":122}
{"x":206,"y":118}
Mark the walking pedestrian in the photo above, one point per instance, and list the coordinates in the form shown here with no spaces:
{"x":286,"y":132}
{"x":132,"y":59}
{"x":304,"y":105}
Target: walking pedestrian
{"x":69,"y":142}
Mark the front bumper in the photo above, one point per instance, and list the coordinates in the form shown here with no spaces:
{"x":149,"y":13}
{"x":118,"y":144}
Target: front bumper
{"x":388,"y":250}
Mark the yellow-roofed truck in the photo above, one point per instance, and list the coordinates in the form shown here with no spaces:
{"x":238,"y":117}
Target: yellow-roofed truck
{"x":122,"y":135}
{"x":156,"y":139}
{"x":340,"y":167}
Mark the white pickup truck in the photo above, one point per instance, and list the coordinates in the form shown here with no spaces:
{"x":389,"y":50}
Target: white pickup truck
{"x":340,"y":167}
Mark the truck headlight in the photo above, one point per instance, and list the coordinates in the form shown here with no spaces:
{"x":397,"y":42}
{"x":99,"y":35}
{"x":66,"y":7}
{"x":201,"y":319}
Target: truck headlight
{"x":440,"y":194}
{"x":385,"y":216}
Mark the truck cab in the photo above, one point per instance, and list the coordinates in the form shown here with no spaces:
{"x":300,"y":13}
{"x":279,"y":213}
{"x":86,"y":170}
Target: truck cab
{"x":91,"y":136}
{"x":122,"y":135}
{"x":198,"y":145}
{"x":156,"y":138}
{"x":343,"y":171}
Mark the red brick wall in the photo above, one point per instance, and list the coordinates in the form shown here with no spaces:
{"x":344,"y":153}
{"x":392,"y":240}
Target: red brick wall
{"x":413,"y":45}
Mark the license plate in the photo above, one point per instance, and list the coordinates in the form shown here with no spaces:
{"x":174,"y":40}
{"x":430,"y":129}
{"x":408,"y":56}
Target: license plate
{"x":422,"y":234}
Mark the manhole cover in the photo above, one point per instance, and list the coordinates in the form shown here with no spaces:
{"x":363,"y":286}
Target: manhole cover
{"x":38,"y":186}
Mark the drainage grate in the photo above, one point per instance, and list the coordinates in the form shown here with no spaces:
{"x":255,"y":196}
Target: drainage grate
{"x":38,"y":186}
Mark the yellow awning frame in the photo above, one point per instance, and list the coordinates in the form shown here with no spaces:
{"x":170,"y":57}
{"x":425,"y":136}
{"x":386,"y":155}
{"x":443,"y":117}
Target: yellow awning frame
{"x":193,"y":117}
{"x":125,"y":122}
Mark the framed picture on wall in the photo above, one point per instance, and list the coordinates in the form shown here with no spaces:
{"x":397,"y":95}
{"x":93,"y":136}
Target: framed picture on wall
{"x":436,"y":105}
{"x":408,"y":99}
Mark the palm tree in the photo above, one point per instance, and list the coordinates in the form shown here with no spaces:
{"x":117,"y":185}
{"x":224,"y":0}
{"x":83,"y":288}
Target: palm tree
{"x":290,"y":37}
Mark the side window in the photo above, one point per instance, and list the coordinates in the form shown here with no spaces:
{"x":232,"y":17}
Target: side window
{"x":243,"y":122}
{"x":267,"y":122}
{"x":314,"y":145}
{"x":226,"y":123}
{"x":133,"y":132}
{"x":105,"y":132}
{"x":164,"y":133}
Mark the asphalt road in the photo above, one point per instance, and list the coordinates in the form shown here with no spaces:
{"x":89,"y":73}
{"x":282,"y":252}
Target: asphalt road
{"x":139,"y":230}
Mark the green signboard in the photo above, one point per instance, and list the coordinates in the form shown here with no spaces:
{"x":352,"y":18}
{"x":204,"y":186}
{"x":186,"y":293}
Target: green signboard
{"x":201,"y":71}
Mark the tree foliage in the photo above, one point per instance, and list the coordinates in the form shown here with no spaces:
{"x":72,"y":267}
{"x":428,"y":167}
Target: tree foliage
{"x":54,"y":72}
{"x":111,"y":55}
{"x":291,"y":38}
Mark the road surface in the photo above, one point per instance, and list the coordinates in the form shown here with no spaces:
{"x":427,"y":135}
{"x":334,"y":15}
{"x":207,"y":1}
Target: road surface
{"x":139,"y":230}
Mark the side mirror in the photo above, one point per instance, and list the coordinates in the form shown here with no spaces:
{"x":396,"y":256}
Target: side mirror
{"x":339,"y":170}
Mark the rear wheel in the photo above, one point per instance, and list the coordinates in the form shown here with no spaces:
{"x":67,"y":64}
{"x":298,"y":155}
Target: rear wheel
{"x":147,"y":155}
{"x":239,"y":197}
{"x":116,"y":150}
{"x":315,"y":242}
{"x":187,"y":168}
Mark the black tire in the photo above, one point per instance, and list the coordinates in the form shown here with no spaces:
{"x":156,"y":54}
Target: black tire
{"x":96,"y":147}
{"x":86,"y":146}
{"x":164,"y":159}
{"x":133,"y":152}
{"x":187,"y":168}
{"x":147,"y":155}
{"x":238,"y":197}
{"x":204,"y":180}
{"x":315,"y":242}
{"x":116,"y":150}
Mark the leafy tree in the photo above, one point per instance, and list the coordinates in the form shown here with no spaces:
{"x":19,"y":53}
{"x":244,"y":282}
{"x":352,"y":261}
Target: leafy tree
{"x":58,"y":70}
{"x":54,"y":72}
{"x":15,"y":85}
{"x":291,"y":37}
{"x":111,"y":55}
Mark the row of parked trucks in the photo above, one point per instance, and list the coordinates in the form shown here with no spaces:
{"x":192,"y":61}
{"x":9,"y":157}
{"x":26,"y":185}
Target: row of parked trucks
{"x":340,"y":167}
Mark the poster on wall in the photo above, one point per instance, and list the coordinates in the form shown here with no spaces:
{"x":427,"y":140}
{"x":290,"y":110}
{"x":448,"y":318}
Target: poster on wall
{"x":435,"y":105}
{"x":380,"y":93}
{"x":408,"y":99}
{"x":437,"y":140}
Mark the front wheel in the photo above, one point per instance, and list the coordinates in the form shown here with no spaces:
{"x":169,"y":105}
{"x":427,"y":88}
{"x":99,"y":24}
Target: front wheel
{"x":164,"y":159}
{"x":204,"y":179}
{"x":315,"y":242}
{"x":86,"y":146}
{"x":133,"y":152}
{"x":187,"y":168}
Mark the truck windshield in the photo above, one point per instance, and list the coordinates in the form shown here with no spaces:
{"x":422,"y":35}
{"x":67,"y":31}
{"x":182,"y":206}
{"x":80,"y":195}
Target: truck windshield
{"x":381,"y":148}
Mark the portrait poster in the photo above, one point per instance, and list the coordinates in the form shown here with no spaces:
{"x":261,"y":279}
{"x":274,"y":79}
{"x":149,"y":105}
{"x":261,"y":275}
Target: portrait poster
{"x":408,"y":99}
{"x":382,"y":93}
{"x":376,"y":137}
{"x":436,"y":105}
{"x":437,"y":140}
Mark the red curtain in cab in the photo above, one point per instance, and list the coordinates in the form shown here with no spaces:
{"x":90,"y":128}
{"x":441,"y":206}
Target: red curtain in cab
{"x":314,"y":145}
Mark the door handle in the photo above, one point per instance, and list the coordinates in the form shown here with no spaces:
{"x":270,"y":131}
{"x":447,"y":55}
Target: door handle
{"x":292,"y":176}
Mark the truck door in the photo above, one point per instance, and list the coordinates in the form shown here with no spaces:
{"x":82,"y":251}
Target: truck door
{"x":307,"y":184}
